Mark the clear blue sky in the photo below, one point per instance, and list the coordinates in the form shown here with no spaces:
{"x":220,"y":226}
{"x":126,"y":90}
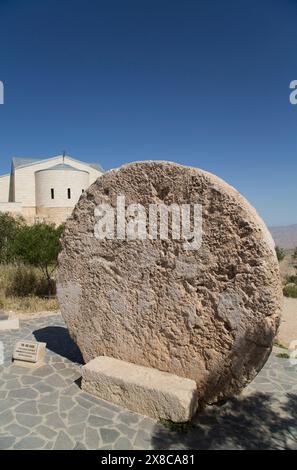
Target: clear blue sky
{"x":204,"y":83}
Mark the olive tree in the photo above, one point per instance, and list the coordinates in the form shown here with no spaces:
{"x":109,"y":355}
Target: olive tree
{"x":39,"y":245}
{"x":9,"y":226}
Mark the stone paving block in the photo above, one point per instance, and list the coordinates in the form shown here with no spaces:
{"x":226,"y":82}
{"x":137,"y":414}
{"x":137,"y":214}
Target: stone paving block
{"x":55,"y":381}
{"x":129,"y":418}
{"x":44,"y":388}
{"x":97,"y":421}
{"x":12,"y":384}
{"x":49,"y":398}
{"x":54,"y":420}
{"x":6,"y":442}
{"x":109,"y":435}
{"x":29,"y":380}
{"x":8,"y":403}
{"x":84,"y":403}
{"x":126,"y":431}
{"x":66,"y":403}
{"x":11,"y":324}
{"x":63,"y":442}
{"x":77,"y":430}
{"x":80,"y":446}
{"x":28,"y":407}
{"x":123,"y":444}
{"x":6,"y":417}
{"x":92,"y":438}
{"x":142,"y":439}
{"x":23,"y":393}
{"x":103,"y":412}
{"x":43,"y":371}
{"x":77,"y":415}
{"x":28,"y":420}
{"x":44,"y":409}
{"x":16,"y":430}
{"x":30,"y":443}
{"x":45,"y":431}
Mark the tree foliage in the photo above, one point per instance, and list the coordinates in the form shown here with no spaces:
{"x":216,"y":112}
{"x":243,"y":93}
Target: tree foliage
{"x":38,"y":245}
{"x":9,"y":226}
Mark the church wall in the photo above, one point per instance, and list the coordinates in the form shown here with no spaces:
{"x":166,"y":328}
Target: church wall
{"x":53,"y":215}
{"x":60,"y":181}
{"x":25,"y":181}
{"x":26,"y":191}
{"x":11,"y":207}
{"x":4,"y":188}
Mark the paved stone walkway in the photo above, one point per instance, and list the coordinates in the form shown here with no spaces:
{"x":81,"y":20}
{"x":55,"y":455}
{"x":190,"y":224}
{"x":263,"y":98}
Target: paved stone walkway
{"x":45,"y":408}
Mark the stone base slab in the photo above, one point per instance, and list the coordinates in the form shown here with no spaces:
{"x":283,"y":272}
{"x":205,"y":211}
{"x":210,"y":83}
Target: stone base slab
{"x":12,"y":324}
{"x":142,"y":389}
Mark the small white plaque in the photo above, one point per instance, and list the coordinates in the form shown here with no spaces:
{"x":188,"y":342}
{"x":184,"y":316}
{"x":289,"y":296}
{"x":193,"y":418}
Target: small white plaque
{"x":29,"y":351}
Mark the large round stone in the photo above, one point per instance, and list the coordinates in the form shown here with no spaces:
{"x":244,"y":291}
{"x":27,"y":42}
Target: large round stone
{"x":209,"y":314}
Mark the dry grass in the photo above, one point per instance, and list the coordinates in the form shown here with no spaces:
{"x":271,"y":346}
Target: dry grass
{"x":22,"y":302}
{"x":28,"y":304}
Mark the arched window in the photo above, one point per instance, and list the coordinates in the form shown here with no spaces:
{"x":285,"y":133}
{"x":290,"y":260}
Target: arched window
{"x":52,"y":193}
{"x":69,"y":193}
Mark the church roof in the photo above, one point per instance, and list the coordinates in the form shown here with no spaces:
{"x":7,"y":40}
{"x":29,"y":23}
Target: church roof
{"x":23,"y":161}
{"x":19,"y":162}
{"x":63,"y":167}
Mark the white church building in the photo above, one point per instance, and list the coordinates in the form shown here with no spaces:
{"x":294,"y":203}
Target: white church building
{"x":45,"y":190}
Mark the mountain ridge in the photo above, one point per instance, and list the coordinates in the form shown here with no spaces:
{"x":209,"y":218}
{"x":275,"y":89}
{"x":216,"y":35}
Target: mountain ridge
{"x":285,"y":236}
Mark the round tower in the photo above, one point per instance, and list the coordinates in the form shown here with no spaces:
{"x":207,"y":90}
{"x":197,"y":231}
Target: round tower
{"x":57,"y":191}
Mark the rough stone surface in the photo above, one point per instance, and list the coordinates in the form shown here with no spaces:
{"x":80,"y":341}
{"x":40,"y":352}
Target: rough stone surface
{"x":142,"y":389}
{"x":209,"y":314}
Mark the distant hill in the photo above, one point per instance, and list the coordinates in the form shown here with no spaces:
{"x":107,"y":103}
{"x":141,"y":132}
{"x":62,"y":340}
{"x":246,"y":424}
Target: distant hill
{"x":285,"y":237}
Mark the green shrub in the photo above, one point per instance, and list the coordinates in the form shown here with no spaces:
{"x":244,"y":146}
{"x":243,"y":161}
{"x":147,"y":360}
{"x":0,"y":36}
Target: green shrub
{"x":26,"y":281}
{"x":280,"y":253}
{"x":39,"y":245}
{"x":283,"y":355}
{"x":9,"y":227}
{"x":177,"y":427}
{"x":22,"y":282}
{"x":290,"y":290}
{"x":291,"y":280}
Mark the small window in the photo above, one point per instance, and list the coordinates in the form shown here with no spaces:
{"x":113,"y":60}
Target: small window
{"x":69,"y":193}
{"x":52,"y":193}
{"x":82,"y":190}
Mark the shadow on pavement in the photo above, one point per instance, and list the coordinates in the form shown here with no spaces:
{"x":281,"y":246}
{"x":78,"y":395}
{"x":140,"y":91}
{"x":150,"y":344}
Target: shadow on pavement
{"x":257,"y":421}
{"x":58,"y":340}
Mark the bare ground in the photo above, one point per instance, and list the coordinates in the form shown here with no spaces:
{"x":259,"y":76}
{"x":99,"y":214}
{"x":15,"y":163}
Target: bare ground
{"x":288,"y":328}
